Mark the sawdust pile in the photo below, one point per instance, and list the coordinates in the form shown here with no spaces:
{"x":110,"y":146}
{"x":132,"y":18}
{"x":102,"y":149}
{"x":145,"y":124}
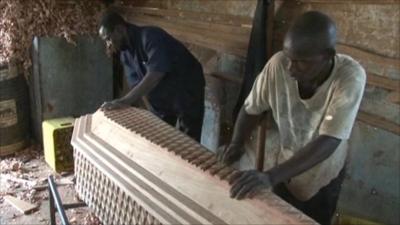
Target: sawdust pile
{"x":21,"y":20}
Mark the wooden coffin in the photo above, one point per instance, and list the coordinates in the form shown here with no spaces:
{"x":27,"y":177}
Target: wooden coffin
{"x":133,"y":168}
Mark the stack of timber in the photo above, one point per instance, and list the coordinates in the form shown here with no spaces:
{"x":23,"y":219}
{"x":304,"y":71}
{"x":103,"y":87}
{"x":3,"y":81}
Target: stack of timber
{"x":132,"y":167}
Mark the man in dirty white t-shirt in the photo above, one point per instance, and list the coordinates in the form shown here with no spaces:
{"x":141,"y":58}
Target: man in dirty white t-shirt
{"x":313,"y":94}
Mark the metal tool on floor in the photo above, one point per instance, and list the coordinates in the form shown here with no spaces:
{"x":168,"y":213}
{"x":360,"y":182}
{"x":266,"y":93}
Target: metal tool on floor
{"x":56,"y":205}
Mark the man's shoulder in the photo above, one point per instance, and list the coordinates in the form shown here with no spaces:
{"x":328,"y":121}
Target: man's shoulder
{"x":278,"y":59}
{"x":349,"y":68}
{"x":276,"y":66}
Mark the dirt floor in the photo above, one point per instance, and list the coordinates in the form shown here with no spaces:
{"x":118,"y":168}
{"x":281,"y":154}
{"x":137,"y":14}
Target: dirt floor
{"x":24,"y":176}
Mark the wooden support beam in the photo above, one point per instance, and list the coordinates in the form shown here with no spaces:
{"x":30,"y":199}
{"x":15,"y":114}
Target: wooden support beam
{"x":262,"y":128}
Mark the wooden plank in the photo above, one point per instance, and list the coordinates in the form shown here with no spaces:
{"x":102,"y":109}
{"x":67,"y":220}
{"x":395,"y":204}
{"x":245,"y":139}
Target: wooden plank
{"x":206,"y":25}
{"x":358,"y":54}
{"x":191,"y":15}
{"x":223,"y":33}
{"x":222,"y":43}
{"x":22,"y":206}
{"x":394,"y":97}
{"x":379,"y":122}
{"x":192,"y":28}
{"x":383,"y":82}
{"x":363,"y":55}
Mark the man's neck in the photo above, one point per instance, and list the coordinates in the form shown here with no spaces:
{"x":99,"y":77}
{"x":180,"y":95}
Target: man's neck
{"x":307,"y":90}
{"x":325,"y":73}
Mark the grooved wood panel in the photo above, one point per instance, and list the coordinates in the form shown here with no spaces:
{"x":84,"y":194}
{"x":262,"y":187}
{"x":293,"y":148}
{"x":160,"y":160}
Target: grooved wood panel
{"x":132,"y":155}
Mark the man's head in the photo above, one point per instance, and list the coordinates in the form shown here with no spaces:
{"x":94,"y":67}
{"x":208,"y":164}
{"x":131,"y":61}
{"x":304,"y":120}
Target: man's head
{"x":113,"y":30}
{"x":310,"y":45}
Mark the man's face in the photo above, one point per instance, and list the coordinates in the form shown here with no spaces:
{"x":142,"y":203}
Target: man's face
{"x":304,"y":66}
{"x":117,"y":38}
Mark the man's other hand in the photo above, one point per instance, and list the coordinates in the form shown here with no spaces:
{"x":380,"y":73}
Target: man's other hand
{"x":230,"y":154}
{"x":246,"y":184}
{"x":112,"y":105}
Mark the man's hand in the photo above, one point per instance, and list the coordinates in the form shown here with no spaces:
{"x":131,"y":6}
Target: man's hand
{"x":115,"y":104}
{"x":248,"y":183}
{"x":230,"y":154}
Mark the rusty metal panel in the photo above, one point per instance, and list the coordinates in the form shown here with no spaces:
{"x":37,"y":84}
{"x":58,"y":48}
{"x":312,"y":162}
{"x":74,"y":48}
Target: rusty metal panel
{"x":68,"y":80}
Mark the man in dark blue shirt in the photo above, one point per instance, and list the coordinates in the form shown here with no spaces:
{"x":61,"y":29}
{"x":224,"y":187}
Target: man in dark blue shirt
{"x":160,"y":67}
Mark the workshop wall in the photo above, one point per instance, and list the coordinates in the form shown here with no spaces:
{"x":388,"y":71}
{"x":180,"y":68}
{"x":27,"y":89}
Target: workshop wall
{"x":217,"y":32}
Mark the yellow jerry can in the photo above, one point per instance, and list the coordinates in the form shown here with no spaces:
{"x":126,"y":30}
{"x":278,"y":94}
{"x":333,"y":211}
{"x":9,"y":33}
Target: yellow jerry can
{"x":58,"y":151}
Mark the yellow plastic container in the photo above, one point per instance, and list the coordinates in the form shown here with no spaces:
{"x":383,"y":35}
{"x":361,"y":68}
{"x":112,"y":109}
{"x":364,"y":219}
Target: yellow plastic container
{"x":58,"y":151}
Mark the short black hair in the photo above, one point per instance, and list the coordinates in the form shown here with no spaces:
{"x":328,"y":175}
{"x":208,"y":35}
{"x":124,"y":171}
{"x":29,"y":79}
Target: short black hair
{"x":110,"y":20}
{"x":314,"y":30}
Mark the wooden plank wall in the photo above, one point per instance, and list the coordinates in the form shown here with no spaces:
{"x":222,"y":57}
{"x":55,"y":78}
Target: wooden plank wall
{"x":368,"y":31}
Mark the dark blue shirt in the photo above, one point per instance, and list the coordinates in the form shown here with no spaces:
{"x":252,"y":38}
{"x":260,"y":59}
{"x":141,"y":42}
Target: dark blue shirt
{"x":154,"y":50}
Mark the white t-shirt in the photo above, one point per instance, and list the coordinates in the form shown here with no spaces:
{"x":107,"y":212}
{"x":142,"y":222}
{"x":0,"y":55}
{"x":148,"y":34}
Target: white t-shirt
{"x":330,"y":111}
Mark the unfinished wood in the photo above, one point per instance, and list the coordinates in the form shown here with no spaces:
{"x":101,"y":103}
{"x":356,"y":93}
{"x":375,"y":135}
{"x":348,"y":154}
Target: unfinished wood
{"x":219,"y":42}
{"x":22,"y":206}
{"x":222,"y":28}
{"x":358,"y":54}
{"x":369,"y":57}
{"x":383,"y":82}
{"x":379,"y":122}
{"x":223,"y":33}
{"x":191,"y":15}
{"x":192,"y":28}
{"x":394,"y":97}
{"x":166,"y":173}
